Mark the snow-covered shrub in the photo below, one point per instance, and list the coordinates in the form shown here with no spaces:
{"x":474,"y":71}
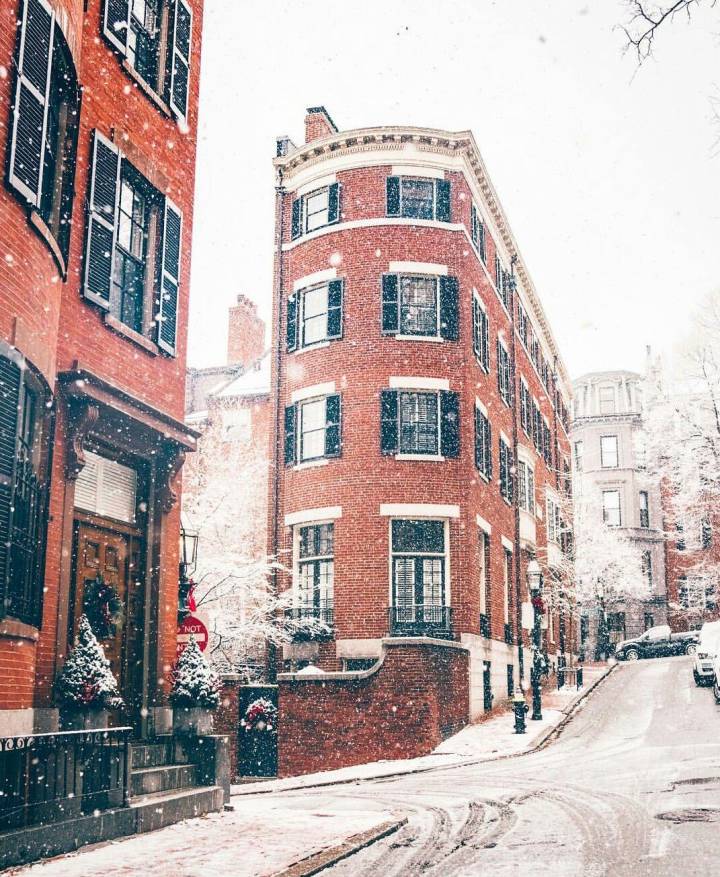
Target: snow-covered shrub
{"x":86,"y":680}
{"x":195,"y":684}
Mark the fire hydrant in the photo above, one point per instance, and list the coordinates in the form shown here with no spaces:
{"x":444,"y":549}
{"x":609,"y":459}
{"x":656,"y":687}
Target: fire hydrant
{"x":520,"y":708}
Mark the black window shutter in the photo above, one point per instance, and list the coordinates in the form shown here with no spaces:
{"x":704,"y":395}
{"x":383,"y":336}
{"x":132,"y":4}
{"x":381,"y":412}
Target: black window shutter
{"x":332,"y":426}
{"x":389,"y":421}
{"x":333,"y":203}
{"x":290,"y":442}
{"x":171,"y":249}
{"x":296,"y":218}
{"x":335,"y":309}
{"x":442,"y":200}
{"x":488,"y":449}
{"x":503,"y":468}
{"x":449,"y":308}
{"x":390,"y":304}
{"x":10,"y":380}
{"x":100,"y":244}
{"x":479,"y":439}
{"x":115,"y":23}
{"x":180,"y":69}
{"x":392,"y":189}
{"x":449,"y":424}
{"x":500,"y":368}
{"x":29,"y":118}
{"x":291,"y":330}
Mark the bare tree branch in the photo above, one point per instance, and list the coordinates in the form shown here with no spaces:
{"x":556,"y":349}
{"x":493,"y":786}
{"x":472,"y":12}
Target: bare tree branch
{"x":647,"y":18}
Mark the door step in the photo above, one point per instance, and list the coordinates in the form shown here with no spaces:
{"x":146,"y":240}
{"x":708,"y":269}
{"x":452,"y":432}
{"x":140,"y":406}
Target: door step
{"x":164,"y":778}
{"x":160,"y":809}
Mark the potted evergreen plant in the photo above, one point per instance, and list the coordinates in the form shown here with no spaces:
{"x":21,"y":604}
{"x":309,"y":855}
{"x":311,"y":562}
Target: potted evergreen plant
{"x":86,"y":687}
{"x":195,"y":693}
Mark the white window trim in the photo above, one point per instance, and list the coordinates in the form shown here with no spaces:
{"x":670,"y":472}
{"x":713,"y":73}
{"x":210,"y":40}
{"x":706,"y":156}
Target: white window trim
{"x":483,"y":524}
{"x":419,"y":510}
{"x":418,"y":383}
{"x":312,"y":185}
{"x":316,"y":390}
{"x":506,"y":439}
{"x":507,"y":544}
{"x":316,"y":345}
{"x":311,"y":464}
{"x":481,"y":408}
{"x":433,"y":339}
{"x":417,"y":268}
{"x":410,"y":170}
{"x":436,"y":458}
{"x":314,"y":516}
{"x":296,"y":554}
{"x":526,"y":455}
{"x":314,"y":279}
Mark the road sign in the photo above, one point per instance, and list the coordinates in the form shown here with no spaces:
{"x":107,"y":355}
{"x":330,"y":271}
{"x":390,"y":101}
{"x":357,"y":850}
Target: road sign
{"x":191,"y":626}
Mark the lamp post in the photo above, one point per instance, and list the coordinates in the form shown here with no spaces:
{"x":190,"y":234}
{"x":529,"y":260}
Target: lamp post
{"x":187,"y":565}
{"x":535,"y":581}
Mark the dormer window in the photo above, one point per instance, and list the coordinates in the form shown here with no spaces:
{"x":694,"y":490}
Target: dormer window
{"x":418,"y":198}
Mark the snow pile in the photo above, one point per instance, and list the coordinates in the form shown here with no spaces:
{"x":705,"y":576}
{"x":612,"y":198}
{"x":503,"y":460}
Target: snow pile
{"x":86,"y":679}
{"x":196,"y":684}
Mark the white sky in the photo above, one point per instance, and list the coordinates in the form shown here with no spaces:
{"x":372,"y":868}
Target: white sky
{"x":606,"y":173}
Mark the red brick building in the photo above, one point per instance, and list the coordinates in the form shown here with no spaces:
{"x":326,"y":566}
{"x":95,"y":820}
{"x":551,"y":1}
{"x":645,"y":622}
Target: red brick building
{"x":421,"y":450}
{"x":98,"y":115}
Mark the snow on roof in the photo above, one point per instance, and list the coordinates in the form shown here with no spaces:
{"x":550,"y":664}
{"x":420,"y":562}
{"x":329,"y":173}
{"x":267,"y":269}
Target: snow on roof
{"x":254,"y":381}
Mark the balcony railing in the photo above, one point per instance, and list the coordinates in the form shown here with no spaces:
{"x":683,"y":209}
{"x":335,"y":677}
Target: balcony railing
{"x":46,"y":778}
{"x":311,"y":622}
{"x":422,"y":619}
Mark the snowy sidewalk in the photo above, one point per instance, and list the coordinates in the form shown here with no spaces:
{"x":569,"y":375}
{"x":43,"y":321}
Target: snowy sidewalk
{"x":488,"y":739}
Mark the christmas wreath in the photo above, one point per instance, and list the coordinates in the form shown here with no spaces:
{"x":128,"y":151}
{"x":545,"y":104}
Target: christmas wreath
{"x":260,"y":715}
{"x":103,"y":607}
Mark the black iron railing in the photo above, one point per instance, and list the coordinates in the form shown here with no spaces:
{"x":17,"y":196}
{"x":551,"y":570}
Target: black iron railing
{"x":46,"y":778}
{"x":311,"y":622}
{"x":421,"y":619}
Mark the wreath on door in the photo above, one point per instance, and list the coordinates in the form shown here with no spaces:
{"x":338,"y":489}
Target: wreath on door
{"x":103,"y":607}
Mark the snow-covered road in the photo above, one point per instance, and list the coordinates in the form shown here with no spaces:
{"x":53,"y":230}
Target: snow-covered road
{"x":631,"y":787}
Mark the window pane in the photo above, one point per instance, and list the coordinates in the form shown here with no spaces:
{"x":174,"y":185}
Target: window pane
{"x":312,"y":439}
{"x":316,"y":208}
{"x":432,"y":573}
{"x":607,"y":400}
{"x":419,"y":423}
{"x":326,"y":573}
{"x":417,"y":198}
{"x":315,"y":303}
{"x":420,"y":536}
{"x":418,"y":306}
{"x":609,"y":451}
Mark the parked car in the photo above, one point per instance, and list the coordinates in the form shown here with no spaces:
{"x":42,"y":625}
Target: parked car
{"x":657,"y":642}
{"x":703,"y":670}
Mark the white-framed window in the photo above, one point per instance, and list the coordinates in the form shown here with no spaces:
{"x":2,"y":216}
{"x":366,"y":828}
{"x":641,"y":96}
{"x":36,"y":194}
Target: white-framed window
{"x":503,"y":373}
{"x":315,"y":570}
{"x":611,"y":508}
{"x":107,"y":488}
{"x":526,"y":411}
{"x":526,"y":487}
{"x":418,"y":198}
{"x":477,"y":231}
{"x":155,"y":36}
{"x":315,"y":210}
{"x":481,"y":332}
{"x":418,"y":550}
{"x":483,"y":443}
{"x":507,"y":585}
{"x":646,"y":564}
{"x":694,"y":594}
{"x":506,"y":471}
{"x":420,"y":306}
{"x":606,"y":399}
{"x":313,"y":429}
{"x":484,"y":569}
{"x":420,"y":422}
{"x":609,"y":451}
{"x":553,"y":521}
{"x":314,"y":315}
{"x":644,"y":509}
{"x":579,"y":448}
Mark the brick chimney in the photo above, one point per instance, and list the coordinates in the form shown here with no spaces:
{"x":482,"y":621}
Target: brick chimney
{"x":246,"y":332}
{"x":318,"y":124}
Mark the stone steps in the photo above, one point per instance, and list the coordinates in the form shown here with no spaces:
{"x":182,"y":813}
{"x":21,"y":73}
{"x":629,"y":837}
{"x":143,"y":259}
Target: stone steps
{"x":160,"y":809}
{"x":163,"y":778}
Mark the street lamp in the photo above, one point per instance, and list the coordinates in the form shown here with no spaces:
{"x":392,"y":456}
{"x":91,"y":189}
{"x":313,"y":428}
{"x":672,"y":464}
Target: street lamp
{"x":535,"y":583}
{"x":187,"y":565}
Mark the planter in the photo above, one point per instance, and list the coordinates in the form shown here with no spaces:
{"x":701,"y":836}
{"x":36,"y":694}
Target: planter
{"x":83,"y":719}
{"x":192,"y":720}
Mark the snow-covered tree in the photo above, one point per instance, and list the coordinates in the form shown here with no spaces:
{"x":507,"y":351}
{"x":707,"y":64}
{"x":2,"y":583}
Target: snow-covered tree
{"x":225,"y":486}
{"x":86,"y":680}
{"x":195,"y":683}
{"x":680,"y":447}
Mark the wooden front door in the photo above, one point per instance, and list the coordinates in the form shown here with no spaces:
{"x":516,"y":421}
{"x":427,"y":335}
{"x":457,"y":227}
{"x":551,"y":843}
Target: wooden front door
{"x":113,"y":557}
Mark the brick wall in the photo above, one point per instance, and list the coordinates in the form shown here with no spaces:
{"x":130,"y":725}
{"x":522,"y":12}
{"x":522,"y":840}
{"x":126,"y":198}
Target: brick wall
{"x":246,"y":332}
{"x":402,"y":709}
{"x":227,"y":719}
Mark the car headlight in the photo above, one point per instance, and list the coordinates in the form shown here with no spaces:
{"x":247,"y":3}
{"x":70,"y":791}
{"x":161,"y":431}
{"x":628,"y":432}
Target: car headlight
{"x":703,"y":655}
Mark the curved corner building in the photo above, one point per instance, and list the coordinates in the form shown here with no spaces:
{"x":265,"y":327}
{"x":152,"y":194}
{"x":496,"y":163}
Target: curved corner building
{"x":421,"y":403}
